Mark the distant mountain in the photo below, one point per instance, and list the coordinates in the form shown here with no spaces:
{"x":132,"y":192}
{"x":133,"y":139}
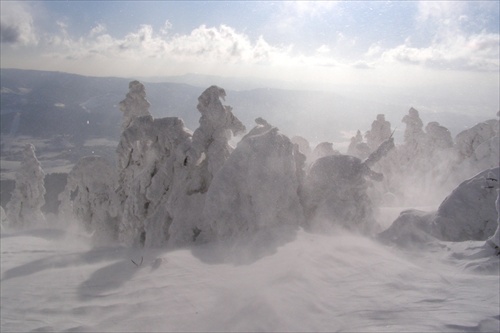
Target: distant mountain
{"x":47,"y":104}
{"x":54,"y":103}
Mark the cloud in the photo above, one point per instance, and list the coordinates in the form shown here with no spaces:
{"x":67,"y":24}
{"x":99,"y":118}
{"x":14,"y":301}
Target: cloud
{"x":323,"y":49}
{"x":452,"y":43}
{"x":475,"y":52}
{"x":204,"y":44}
{"x":99,"y":29}
{"x":362,"y":65}
{"x":16,"y":24}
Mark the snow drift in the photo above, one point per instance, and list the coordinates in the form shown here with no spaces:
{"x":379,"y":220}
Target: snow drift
{"x":468,"y":213}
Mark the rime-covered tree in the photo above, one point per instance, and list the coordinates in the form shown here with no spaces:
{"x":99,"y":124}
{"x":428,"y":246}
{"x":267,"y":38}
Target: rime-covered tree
{"x":494,"y":241}
{"x":304,"y":146}
{"x":24,"y":207}
{"x":3,"y":217}
{"x":90,"y":197}
{"x":135,"y":104}
{"x":210,"y":147}
{"x":379,"y":132}
{"x":477,"y":148}
{"x":208,"y":153}
{"x":414,"y":129}
{"x":437,"y":136}
{"x":323,"y":149}
{"x":335,"y":190}
{"x":257,"y":188}
{"x":149,"y":153}
{"x":357,"y":147}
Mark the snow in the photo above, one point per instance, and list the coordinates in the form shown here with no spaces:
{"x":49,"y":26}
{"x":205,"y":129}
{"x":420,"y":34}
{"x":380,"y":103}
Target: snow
{"x":53,"y":280}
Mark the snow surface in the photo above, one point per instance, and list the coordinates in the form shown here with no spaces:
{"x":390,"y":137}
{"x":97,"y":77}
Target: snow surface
{"x":54,"y":280}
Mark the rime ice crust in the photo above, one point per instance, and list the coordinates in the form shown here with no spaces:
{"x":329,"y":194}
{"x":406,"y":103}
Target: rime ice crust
{"x":24,"y":207}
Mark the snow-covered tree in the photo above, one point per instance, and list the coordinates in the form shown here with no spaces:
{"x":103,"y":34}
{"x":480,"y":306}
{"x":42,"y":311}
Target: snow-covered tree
{"x":210,"y":147}
{"x":24,"y":207}
{"x":477,"y":148}
{"x":335,"y":191}
{"x":304,"y":146}
{"x":468,"y":140}
{"x":89,"y":196}
{"x":209,"y":151}
{"x":437,"y":136}
{"x":414,"y":129}
{"x":135,"y":104}
{"x":494,"y":241}
{"x":323,"y":149}
{"x":152,"y":153}
{"x":379,"y":132}
{"x":3,"y":217}
{"x":422,"y":165}
{"x":357,"y":147}
{"x":257,"y":188}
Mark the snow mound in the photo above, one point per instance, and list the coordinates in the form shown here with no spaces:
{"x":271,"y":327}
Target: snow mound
{"x":468,"y":213}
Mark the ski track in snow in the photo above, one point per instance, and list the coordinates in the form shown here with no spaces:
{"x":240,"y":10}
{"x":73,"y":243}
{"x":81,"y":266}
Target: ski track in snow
{"x":53,"y":280}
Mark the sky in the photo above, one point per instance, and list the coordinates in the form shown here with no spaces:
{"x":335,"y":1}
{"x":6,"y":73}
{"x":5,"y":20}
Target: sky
{"x":445,"y":48}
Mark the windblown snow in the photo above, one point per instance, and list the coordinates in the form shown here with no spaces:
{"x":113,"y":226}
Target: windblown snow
{"x":190,"y":233}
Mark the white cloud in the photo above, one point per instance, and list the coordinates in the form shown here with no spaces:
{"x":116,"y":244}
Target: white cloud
{"x":167,"y":26}
{"x":323,"y":49}
{"x":451,"y":45}
{"x":16,"y":24}
{"x":97,"y":30}
{"x":204,"y":45}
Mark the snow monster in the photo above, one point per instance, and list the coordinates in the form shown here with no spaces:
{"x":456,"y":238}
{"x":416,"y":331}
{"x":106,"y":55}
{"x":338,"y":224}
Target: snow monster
{"x":335,"y":191}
